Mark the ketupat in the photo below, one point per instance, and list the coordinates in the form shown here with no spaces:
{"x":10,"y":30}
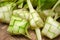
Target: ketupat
{"x":51,"y":28}
{"x":35,"y":21}
{"x":34,"y":15}
{"x":6,"y":12}
{"x":49,"y":13}
{"x":23,"y":13}
{"x":18,"y":26}
{"x":45,"y":13}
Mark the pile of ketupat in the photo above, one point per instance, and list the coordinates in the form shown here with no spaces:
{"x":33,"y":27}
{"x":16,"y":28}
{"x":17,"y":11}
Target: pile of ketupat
{"x":22,"y":15}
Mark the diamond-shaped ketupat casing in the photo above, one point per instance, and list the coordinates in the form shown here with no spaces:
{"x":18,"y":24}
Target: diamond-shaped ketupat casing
{"x":23,"y":13}
{"x":51,"y":28}
{"x":18,"y":26}
{"x":6,"y":12}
